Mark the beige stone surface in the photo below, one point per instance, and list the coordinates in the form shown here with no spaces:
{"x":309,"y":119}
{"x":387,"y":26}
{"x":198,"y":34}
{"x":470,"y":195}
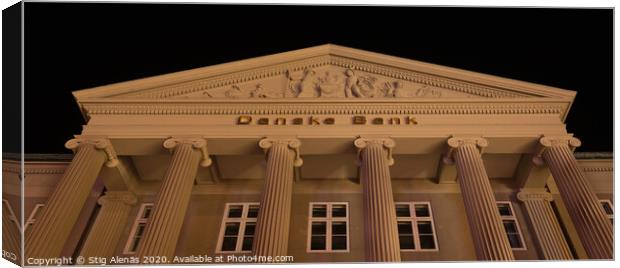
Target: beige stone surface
{"x":324,"y":97}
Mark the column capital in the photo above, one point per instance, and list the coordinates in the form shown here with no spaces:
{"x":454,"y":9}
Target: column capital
{"x":197,"y":143}
{"x":455,"y":142}
{"x":362,"y":142}
{"x":98,"y":143}
{"x":538,"y":195}
{"x":127,"y":198}
{"x":546,"y":142}
{"x":292,"y":143}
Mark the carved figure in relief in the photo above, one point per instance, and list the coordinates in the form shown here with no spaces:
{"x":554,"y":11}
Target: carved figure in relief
{"x":234,"y":93}
{"x":330,"y":85}
{"x":366,"y":87}
{"x":258,"y":92}
{"x":350,"y":84}
{"x":307,"y":86}
{"x":293,"y":84}
{"x":424,"y":91}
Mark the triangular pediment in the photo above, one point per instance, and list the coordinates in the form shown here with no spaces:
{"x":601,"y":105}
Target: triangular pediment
{"x":323,"y":72}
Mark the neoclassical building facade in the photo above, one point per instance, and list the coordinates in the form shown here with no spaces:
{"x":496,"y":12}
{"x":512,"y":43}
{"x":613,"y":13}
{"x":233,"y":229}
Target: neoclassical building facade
{"x":325,"y":154}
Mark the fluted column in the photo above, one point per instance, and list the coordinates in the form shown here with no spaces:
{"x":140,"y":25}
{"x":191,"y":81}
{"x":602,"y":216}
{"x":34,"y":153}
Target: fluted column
{"x":381,"y":234}
{"x":486,"y":226}
{"x":164,"y":226}
{"x":272,"y":226}
{"x":109,"y":225}
{"x":63,"y":207}
{"x":592,"y":225}
{"x":545,"y":224}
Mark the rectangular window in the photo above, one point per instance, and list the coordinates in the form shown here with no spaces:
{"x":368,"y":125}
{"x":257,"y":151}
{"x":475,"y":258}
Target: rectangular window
{"x":238,"y":228}
{"x":416,"y":230}
{"x":511,"y":225}
{"x":137,"y":230}
{"x":608,"y":208}
{"x":328,"y":227}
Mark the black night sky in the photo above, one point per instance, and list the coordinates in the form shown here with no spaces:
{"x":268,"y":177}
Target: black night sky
{"x":75,"y":46}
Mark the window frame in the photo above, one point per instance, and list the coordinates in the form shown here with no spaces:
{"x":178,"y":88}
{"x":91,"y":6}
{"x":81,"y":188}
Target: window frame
{"x":32,"y":219}
{"x":12,"y":215}
{"x":413,"y":220}
{"x":611,"y":205}
{"x":513,"y":217}
{"x":243,"y":220}
{"x":137,"y":221}
{"x":328,"y":227}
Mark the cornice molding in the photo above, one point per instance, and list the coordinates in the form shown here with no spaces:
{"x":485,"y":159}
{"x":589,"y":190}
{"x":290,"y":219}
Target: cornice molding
{"x":345,"y":108}
{"x":35,"y":170}
{"x":276,"y":64}
{"x":598,"y":169}
{"x":169,"y":91}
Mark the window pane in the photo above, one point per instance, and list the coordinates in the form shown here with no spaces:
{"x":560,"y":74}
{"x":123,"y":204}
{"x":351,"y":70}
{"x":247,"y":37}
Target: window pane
{"x":339,"y":242}
{"x":421,"y":210}
{"x":317,"y":243}
{"x":515,"y":241}
{"x":135,"y":244}
{"x":249,"y":228}
{"x":425,"y":227}
{"x":607,"y":208}
{"x":319,"y":211}
{"x":427,"y":242}
{"x":232,"y":228}
{"x":339,"y":227}
{"x":319,"y":228}
{"x":510,"y":226}
{"x":406,"y":242}
{"x":235,"y":211}
{"x":402,"y":211}
{"x":253,"y":212}
{"x":404,"y":228}
{"x":147,"y":212}
{"x":339,"y":210}
{"x":229,"y":243}
{"x":504,"y":209}
{"x":140,"y":229}
{"x":247,"y":243}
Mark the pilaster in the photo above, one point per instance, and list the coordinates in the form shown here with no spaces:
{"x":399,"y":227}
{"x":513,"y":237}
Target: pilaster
{"x":106,"y":232}
{"x":546,"y":227}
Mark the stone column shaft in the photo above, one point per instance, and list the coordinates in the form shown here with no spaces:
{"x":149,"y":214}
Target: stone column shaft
{"x":590,"y":220}
{"x":164,"y":226}
{"x":380,"y":225}
{"x":61,"y":211}
{"x":272,"y":227}
{"x":546,"y":226}
{"x":111,"y":220}
{"x":484,"y":220}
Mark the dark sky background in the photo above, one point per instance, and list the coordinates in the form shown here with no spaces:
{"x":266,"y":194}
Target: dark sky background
{"x":75,"y":46}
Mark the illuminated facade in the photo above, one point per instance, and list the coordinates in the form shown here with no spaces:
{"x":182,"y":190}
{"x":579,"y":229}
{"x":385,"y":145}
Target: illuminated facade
{"x":324,"y":154}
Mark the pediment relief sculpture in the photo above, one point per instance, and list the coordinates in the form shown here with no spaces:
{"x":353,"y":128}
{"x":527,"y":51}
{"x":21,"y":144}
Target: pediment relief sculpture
{"x":326,"y":82}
